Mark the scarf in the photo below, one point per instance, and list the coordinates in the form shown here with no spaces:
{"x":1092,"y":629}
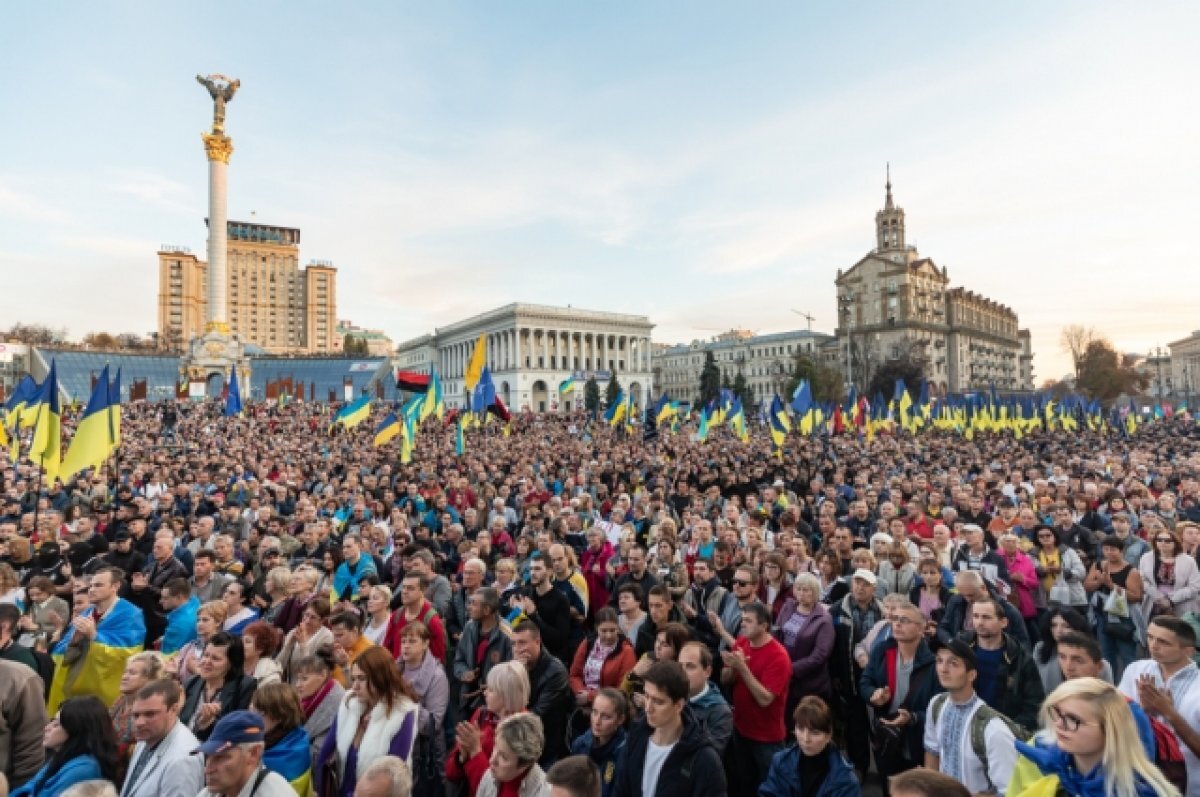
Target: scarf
{"x":309,"y":704}
{"x":1052,"y":761}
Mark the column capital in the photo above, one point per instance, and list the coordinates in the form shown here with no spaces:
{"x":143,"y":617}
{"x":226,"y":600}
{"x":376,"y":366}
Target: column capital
{"x":217,"y":146}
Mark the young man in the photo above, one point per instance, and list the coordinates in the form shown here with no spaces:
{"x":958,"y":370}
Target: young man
{"x":207,"y":584}
{"x":662,"y":611}
{"x":758,"y":669}
{"x":667,"y":754}
{"x":180,"y":607}
{"x":162,"y":764}
{"x":1008,"y":679}
{"x":958,"y":721}
{"x":706,"y":700}
{"x":356,"y":566}
{"x":549,"y":609}
{"x":604,"y":742}
{"x":1167,"y":685}
{"x":575,"y":776}
{"x":414,"y":607}
{"x":1079,"y":656}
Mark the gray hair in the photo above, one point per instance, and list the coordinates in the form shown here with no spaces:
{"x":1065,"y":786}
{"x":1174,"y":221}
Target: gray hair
{"x":91,"y":788}
{"x":807,"y":580}
{"x":968,"y":577}
{"x":395,"y":771}
{"x":523,"y":734}
{"x":510,"y":681}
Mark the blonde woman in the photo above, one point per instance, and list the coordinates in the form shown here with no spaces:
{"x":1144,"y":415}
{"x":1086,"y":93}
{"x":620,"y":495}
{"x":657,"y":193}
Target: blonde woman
{"x":1089,"y":746}
{"x":210,"y":618}
{"x":379,"y":613}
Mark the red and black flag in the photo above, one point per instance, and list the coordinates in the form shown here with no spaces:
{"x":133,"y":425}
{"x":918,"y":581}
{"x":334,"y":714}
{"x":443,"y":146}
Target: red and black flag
{"x":412,"y":381}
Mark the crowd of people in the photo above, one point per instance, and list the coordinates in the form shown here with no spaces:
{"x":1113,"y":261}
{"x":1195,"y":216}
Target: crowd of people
{"x":255,"y":606}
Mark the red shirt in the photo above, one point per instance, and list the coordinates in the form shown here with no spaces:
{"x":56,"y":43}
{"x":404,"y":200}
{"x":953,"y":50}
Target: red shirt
{"x":772,"y":667}
{"x":437,"y":632}
{"x":920,"y":527}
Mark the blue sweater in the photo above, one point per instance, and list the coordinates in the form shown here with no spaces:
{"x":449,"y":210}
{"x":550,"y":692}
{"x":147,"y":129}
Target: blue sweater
{"x":77,"y":770}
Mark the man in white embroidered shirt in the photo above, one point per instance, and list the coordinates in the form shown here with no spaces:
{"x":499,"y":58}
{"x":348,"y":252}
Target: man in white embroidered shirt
{"x":964,"y":738}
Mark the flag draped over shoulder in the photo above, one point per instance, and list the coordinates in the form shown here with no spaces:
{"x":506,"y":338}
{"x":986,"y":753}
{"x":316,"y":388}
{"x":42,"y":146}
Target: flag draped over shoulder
{"x":95,"y":667}
{"x":93,"y":441}
{"x":291,"y":758}
{"x":46,"y":448}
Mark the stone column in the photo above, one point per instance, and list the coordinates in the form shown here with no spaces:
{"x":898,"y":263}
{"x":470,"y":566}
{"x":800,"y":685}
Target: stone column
{"x":218,"y":147}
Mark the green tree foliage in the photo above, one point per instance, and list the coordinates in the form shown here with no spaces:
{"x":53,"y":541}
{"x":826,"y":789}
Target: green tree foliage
{"x":613,"y":390}
{"x":1105,"y":374}
{"x":826,"y":382}
{"x":907,"y":367}
{"x":743,"y":392}
{"x":591,"y":395}
{"x":354,"y":346}
{"x":710,"y":380}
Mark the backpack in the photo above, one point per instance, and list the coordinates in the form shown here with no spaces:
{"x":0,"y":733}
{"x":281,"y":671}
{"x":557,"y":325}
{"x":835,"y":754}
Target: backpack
{"x":430,"y":613}
{"x":979,"y":722}
{"x":1168,"y":757}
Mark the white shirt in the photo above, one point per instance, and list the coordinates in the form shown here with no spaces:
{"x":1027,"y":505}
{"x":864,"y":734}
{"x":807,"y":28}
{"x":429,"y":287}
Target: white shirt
{"x":997,"y":741}
{"x":1184,"y":687}
{"x":656,"y":756}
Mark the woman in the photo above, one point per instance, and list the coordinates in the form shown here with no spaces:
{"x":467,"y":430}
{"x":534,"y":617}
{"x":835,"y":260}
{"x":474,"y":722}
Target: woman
{"x":806,"y":630}
{"x":10,"y":585}
{"x":220,"y":687}
{"x":1056,"y":622}
{"x":330,"y":561}
{"x":944,"y":545}
{"x":513,"y":767}
{"x":278,"y":586}
{"x":42,"y":605}
{"x":629,"y":604}
{"x":310,"y":634}
{"x":286,"y":748}
{"x":670,"y":572}
{"x":260,"y":641}
{"x":379,"y":613}
{"x":1089,"y":748}
{"x":320,"y":695}
{"x":507,"y":694}
{"x":506,"y":579}
{"x":209,"y":619}
{"x":1170,"y":578}
{"x":240,"y":615}
{"x":930,"y":595}
{"x":896,"y":573}
{"x":378,"y":717}
{"x":667,"y":644}
{"x":592,"y":564}
{"x":1059,"y":570}
{"x":140,"y":669}
{"x":302,"y":586}
{"x":829,"y":573}
{"x":1022,"y":577}
{"x":81,"y":746}
{"x":428,"y":679}
{"x":601,"y":660}
{"x":814,"y":765}
{"x":775,"y":587}
{"x":1116,"y":585}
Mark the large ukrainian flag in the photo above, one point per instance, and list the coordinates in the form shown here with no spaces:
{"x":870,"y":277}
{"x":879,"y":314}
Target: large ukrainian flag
{"x":96,"y":667}
{"x":92,"y":442}
{"x":46,"y":447}
{"x":355,"y":412}
{"x":292,"y":759}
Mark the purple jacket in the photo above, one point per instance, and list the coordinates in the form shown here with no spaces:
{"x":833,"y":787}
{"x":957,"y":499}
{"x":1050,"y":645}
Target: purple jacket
{"x":811,"y":649}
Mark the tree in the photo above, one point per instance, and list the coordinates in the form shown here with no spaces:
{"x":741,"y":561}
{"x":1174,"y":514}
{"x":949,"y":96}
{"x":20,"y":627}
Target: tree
{"x":35,"y":334}
{"x":1075,"y":340}
{"x":825,"y":382}
{"x":99,"y":340}
{"x":907,"y":366}
{"x":710,"y":380}
{"x":743,"y":392}
{"x":354,"y":346}
{"x":613,"y":390}
{"x":591,"y":394}
{"x":1104,"y":374}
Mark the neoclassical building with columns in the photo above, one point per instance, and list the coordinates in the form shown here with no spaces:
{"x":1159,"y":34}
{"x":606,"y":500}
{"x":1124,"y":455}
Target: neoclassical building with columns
{"x":532,"y":349}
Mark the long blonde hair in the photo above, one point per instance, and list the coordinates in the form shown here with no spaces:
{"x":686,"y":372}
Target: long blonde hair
{"x":1124,"y":757}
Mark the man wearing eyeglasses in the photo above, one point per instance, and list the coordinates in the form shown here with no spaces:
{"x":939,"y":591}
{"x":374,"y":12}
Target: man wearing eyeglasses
{"x":162,"y":764}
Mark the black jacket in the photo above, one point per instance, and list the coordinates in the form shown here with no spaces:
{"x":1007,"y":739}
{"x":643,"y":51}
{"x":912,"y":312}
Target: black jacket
{"x":1021,"y":693}
{"x":923,"y":684}
{"x":550,"y":698}
{"x":234,"y":696}
{"x":648,"y":631}
{"x":955,"y":615}
{"x":553,"y":617}
{"x":692,"y":769}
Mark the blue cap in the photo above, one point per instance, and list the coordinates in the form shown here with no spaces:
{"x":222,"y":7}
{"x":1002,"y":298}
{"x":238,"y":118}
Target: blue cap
{"x":236,"y":727}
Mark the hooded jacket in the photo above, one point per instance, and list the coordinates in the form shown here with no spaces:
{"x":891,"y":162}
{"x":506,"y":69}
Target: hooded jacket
{"x":605,"y":757}
{"x":715,"y":715}
{"x":692,"y":769}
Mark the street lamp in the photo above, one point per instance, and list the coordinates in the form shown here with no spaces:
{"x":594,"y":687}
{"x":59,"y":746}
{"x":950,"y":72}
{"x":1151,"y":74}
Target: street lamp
{"x":845,"y":302}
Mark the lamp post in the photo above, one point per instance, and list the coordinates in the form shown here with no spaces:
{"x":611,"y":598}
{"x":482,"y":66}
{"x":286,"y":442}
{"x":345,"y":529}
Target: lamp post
{"x":845,"y":302}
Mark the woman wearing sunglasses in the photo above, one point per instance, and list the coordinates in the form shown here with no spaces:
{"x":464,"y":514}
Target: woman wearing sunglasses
{"x":1089,"y":746}
{"x":1170,"y":577}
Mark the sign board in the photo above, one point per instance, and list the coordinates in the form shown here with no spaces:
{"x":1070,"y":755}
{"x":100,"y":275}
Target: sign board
{"x":348,"y":392}
{"x":359,"y":368}
{"x":196,"y":390}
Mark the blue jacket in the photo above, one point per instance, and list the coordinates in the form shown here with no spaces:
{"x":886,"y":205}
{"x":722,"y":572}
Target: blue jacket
{"x":604,"y":757}
{"x":181,"y":626}
{"x":345,"y":580}
{"x":784,"y":778}
{"x":77,"y":770}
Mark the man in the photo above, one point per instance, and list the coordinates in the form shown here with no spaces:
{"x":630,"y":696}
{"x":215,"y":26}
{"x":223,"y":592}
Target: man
{"x":180,"y":607}
{"x":916,"y":523}
{"x":162,"y":764}
{"x":603,"y":743}
{"x":413,"y":608}
{"x":662,"y":611}
{"x":570,"y":582}
{"x":207,"y":584}
{"x":1007,"y":677}
{"x":549,"y":688}
{"x":757,"y":670}
{"x":667,"y":752}
{"x":853,"y":616}
{"x":964,"y":738}
{"x":637,"y":574}
{"x":843,"y":545}
{"x":385,"y":777}
{"x":974,"y":554}
{"x":92,"y":653}
{"x":354,"y":568}
{"x":957,"y":617}
{"x":1167,"y":685}
{"x":473,"y":573}
{"x":707,"y":595}
{"x":146,"y":586}
{"x":1074,"y":535}
{"x":10,"y":615}
{"x":1135,"y":546}
{"x":926,"y":783}
{"x":575,"y":776}
{"x":899,"y":681}
{"x":438,"y":590}
{"x":1079,"y":656}
{"x":547,"y":607}
{"x":708,"y":704}
{"x":311,"y":550}
{"x":122,"y":555}
{"x":233,"y":760}
{"x":23,"y":711}
{"x":226,"y":563}
{"x":482,"y":646}
{"x":348,"y":641}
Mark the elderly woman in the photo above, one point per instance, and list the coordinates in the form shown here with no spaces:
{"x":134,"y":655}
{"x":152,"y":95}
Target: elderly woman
{"x":240,"y":614}
{"x":428,"y":679}
{"x":305,"y":638}
{"x":320,"y":695}
{"x":806,"y":630}
{"x":261,"y":641}
{"x":278,"y":586}
{"x":301,"y":588}
{"x":1022,"y":578}
{"x":513,"y":768}
{"x":507,"y":694}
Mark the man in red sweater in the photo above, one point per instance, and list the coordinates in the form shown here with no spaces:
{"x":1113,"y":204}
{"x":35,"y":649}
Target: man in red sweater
{"x":414,"y":607}
{"x":758,"y":668}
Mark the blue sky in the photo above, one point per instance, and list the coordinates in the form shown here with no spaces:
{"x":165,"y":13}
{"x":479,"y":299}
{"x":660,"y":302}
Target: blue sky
{"x":709,"y":165}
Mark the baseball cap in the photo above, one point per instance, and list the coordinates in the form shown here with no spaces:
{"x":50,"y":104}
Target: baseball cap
{"x":960,"y":650}
{"x":236,"y":727}
{"x":865,"y":575}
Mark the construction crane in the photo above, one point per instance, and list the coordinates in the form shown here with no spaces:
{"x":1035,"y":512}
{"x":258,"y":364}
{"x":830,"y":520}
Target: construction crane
{"x":806,"y":316}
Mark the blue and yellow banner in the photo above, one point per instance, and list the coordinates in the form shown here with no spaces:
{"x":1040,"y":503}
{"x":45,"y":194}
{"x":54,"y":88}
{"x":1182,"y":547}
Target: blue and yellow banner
{"x":95,"y":668}
{"x":292,"y":759}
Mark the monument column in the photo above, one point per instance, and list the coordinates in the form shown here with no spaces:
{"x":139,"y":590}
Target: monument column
{"x":218,"y":147}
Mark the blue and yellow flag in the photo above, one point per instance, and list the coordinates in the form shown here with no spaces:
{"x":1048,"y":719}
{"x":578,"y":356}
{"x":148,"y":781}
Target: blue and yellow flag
{"x":96,"y":667}
{"x":292,"y":758}
{"x":46,"y":448}
{"x":114,"y":408}
{"x":615,"y":412}
{"x":737,"y":420}
{"x":460,"y":443}
{"x":432,"y":402}
{"x":233,"y":400}
{"x":474,"y":371}
{"x":388,"y":429}
{"x":92,"y":442}
{"x":354,"y":413}
{"x":566,"y":386}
